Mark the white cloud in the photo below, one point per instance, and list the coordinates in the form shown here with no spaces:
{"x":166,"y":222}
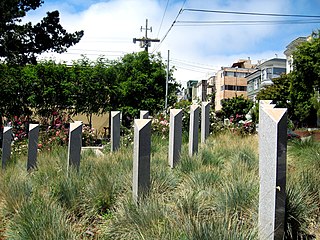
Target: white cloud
{"x":110,"y":26}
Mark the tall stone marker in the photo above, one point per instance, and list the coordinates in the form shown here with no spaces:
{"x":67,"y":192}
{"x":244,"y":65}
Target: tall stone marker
{"x":32,"y":146}
{"x":272,"y":170}
{"x":175,"y":136}
{"x":141,"y":158}
{"x":194,"y":129}
{"x":115,"y":130}
{"x":144,"y":114}
{"x":75,"y":143}
{"x":205,"y":111}
{"x":6,"y":145}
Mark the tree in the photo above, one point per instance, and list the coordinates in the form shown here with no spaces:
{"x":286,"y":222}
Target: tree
{"x":306,"y":79}
{"x":14,"y":93}
{"x":93,"y":83}
{"x":278,"y":91}
{"x":21,"y":43}
{"x":236,"y":107}
{"x":140,"y":82}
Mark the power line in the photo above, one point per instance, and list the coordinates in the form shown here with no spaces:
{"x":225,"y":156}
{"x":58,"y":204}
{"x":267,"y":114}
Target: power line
{"x":252,"y":13}
{"x":194,"y":66}
{"x":92,"y":50}
{"x":165,"y":10}
{"x":235,"y":22}
{"x":191,"y":69}
{"x":191,"y":62}
{"x":174,"y":21}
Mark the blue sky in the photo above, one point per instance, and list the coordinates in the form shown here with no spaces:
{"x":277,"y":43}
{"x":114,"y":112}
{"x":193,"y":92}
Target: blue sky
{"x":196,"y":51}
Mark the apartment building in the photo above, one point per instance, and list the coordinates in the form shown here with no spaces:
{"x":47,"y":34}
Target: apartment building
{"x":231,"y":81}
{"x":263,"y":75}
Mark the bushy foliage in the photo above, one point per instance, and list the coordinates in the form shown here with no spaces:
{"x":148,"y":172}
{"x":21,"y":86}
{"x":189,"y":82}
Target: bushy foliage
{"x":236,"y":108}
{"x":298,"y":90}
{"x":135,"y":82}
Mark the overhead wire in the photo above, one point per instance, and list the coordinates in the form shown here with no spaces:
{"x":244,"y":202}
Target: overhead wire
{"x":174,"y":21}
{"x":251,"y":13}
{"x":165,"y":10}
{"x":234,"y":22}
{"x":244,"y":22}
{"x":192,"y":65}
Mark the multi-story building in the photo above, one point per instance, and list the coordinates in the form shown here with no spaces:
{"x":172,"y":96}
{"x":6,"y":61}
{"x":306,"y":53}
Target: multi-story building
{"x":211,"y":85}
{"x":231,"y":81}
{"x":190,"y":89}
{"x":263,"y":75}
{"x":289,"y":51}
{"x":202,"y":91}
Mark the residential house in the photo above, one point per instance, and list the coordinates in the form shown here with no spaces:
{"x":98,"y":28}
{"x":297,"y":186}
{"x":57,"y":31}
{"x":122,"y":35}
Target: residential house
{"x":263,"y":75}
{"x":292,"y":46}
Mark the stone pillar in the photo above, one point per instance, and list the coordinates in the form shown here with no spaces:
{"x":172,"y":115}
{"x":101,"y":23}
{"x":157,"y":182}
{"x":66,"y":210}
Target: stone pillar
{"x":144,"y":114}
{"x":75,"y":143}
{"x":205,"y":111}
{"x":32,"y":146}
{"x":115,"y":130}
{"x":6,"y":145}
{"x":175,"y":136}
{"x":272,"y":170}
{"x":141,"y":158}
{"x":194,"y":129}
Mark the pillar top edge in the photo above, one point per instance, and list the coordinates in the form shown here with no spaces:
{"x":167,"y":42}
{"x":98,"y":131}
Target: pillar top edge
{"x":275,"y":114}
{"x":141,"y":123}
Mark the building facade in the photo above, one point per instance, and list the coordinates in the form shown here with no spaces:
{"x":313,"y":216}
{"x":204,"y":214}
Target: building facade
{"x":190,"y":91}
{"x":202,"y":91}
{"x":289,"y":52}
{"x":263,"y":75}
{"x":231,"y":81}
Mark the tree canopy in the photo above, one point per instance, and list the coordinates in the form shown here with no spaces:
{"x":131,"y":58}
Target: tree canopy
{"x":298,"y":90}
{"x":132,"y":83}
{"x":141,"y":85}
{"x":305,"y":78}
{"x":279,"y":91}
{"x":21,"y":43}
{"x":236,"y":108}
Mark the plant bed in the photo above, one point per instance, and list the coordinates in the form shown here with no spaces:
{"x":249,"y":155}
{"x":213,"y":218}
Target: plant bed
{"x":315,"y":134}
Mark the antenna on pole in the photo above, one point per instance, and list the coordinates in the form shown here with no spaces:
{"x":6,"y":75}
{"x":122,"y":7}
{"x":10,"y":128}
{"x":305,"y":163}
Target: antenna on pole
{"x":145,"y":42}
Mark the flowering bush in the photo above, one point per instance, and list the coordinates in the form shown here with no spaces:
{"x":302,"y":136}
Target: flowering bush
{"x":19,"y":133}
{"x":127,"y":135}
{"x":160,"y":125}
{"x":234,"y":124}
{"x":89,"y":137}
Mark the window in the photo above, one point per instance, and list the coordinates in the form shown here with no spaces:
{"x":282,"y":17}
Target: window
{"x":233,"y":88}
{"x":250,"y":86}
{"x":269,"y":73}
{"x":229,"y":74}
{"x":255,"y":84}
{"x":278,"y":71}
{"x":263,"y":74}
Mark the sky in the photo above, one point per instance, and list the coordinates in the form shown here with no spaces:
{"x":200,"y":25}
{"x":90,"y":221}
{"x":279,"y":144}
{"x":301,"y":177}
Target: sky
{"x":196,"y":51}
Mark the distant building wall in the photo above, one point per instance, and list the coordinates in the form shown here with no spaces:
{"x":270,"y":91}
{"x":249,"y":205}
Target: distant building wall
{"x":231,"y":81}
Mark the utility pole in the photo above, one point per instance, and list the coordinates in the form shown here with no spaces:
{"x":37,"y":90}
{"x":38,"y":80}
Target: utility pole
{"x":145,"y":42}
{"x":167,"y":82}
